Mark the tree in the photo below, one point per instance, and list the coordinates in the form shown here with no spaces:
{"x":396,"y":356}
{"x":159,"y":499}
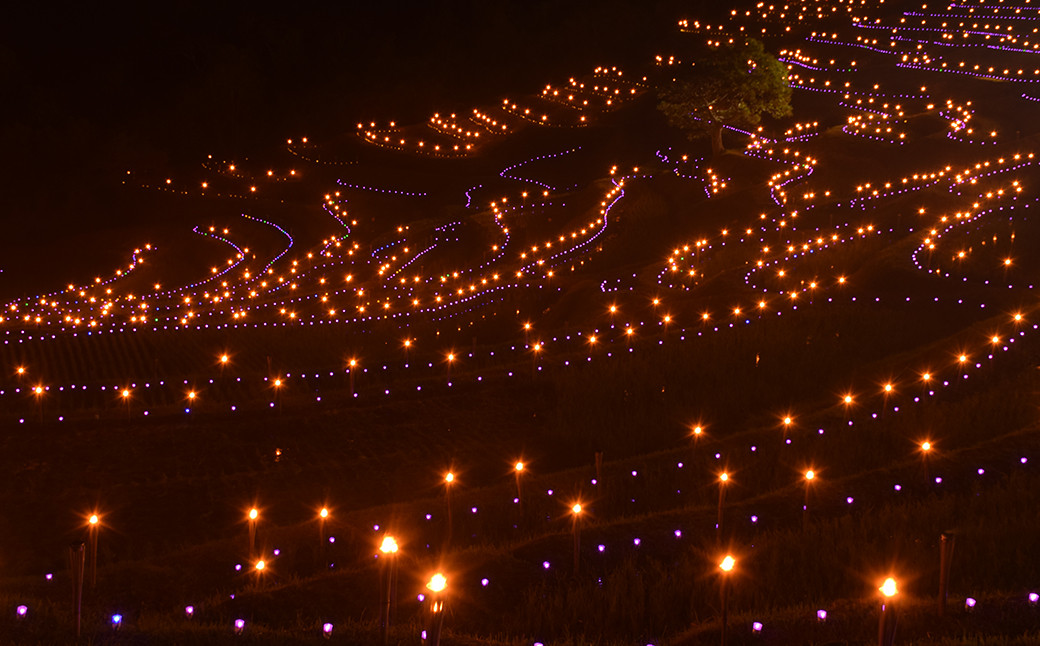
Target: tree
{"x":730,"y":84}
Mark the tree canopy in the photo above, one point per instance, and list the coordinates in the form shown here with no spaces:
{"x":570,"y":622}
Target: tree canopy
{"x":730,"y":84}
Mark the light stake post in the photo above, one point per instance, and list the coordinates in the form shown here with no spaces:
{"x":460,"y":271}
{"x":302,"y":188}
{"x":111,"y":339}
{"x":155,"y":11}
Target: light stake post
{"x":323,"y":517}
{"x":38,"y":391}
{"x":93,"y":524}
{"x":926,"y":449}
{"x":810,"y":475}
{"x":437,"y":585}
{"x":887,"y":620}
{"x":576,"y":531}
{"x":696,"y":433}
{"x":518,"y":470}
{"x":726,"y":566}
{"x":253,"y":516}
{"x":449,"y":479}
{"x":723,"y":480}
{"x":259,"y":568}
{"x":389,"y":551}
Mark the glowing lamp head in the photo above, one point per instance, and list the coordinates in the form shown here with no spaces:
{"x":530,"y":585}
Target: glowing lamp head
{"x":223,"y":358}
{"x":888,"y":588}
{"x":260,"y":565}
{"x":788,"y":421}
{"x":388,"y":546}
{"x":698,"y":430}
{"x":926,"y":446}
{"x":847,"y":399}
{"x":449,"y":477}
{"x":519,"y":466}
{"x":810,"y":474}
{"x":727,"y":563}
{"x":724,"y":477}
{"x":324,"y":513}
{"x":94,"y":520}
{"x":576,"y":508}
{"x":126,"y":393}
{"x":253,"y":513}
{"x":437,"y":583}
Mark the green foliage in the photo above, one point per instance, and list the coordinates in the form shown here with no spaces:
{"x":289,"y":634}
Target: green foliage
{"x":731,"y":84}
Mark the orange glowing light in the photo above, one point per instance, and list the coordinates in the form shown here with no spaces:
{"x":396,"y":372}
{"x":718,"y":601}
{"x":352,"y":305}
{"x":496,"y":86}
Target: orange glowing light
{"x":389,"y":546}
{"x":437,"y":583}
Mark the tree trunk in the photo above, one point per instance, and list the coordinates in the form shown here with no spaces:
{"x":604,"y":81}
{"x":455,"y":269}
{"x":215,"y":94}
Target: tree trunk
{"x":716,"y":139}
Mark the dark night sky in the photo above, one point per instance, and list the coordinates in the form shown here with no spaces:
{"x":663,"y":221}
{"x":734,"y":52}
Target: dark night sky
{"x":93,"y":90}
